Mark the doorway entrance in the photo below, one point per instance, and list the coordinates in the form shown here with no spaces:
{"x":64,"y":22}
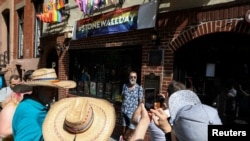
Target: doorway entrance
{"x":209,"y":63}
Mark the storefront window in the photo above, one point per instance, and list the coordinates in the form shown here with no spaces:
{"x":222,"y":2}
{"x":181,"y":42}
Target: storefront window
{"x":102,"y":72}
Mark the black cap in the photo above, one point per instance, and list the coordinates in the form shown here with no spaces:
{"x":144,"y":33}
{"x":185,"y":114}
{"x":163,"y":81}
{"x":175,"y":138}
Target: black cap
{"x":21,"y":88}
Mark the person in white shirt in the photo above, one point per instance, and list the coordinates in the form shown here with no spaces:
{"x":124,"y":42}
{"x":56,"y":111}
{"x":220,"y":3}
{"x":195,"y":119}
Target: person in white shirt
{"x":6,"y":91}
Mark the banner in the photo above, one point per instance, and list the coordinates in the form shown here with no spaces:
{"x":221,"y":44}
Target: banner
{"x":121,"y":20}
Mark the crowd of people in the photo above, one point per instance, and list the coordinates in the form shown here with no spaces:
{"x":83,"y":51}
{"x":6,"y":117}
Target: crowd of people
{"x":180,"y":110}
{"x":27,"y":112}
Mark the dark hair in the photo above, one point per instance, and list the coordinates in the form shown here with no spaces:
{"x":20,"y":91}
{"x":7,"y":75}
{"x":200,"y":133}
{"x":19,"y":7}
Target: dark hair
{"x":14,"y":76}
{"x":27,"y":75}
{"x":175,"y":86}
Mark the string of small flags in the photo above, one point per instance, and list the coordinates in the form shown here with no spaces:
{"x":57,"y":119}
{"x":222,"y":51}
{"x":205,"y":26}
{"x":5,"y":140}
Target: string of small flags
{"x":88,"y":6}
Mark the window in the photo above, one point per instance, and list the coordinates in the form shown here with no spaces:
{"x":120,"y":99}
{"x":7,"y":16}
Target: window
{"x":106,"y":70}
{"x":4,"y":56}
{"x":20,"y":32}
{"x":38,"y":29}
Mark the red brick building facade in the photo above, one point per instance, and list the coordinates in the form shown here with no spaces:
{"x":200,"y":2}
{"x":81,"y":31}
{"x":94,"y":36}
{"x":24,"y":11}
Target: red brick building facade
{"x":177,"y":30}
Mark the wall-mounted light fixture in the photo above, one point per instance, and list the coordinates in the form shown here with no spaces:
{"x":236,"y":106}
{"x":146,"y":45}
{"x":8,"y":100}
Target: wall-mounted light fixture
{"x":40,"y":49}
{"x":68,"y":34}
{"x":155,"y":38}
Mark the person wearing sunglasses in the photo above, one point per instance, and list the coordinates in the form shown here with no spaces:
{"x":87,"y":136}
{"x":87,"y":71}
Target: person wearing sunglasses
{"x":132,"y":95}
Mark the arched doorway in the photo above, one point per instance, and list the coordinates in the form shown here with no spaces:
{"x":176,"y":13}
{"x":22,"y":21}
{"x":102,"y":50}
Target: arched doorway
{"x":209,"y":62}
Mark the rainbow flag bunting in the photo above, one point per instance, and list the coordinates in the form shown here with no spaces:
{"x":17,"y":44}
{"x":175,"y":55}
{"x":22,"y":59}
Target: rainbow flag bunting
{"x":88,"y":6}
{"x":60,"y":4}
{"x":53,"y":16}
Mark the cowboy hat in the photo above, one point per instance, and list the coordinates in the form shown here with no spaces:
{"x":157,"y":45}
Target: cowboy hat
{"x":78,"y":119}
{"x":47,"y":77}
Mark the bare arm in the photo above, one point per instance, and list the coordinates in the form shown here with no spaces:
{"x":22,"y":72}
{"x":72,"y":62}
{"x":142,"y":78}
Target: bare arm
{"x":6,"y":116}
{"x":142,"y":126}
{"x":137,"y":114}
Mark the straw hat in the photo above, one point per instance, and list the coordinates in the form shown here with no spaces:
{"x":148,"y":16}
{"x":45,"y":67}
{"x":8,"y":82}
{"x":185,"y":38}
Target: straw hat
{"x":48,"y":77}
{"x":79,"y":119}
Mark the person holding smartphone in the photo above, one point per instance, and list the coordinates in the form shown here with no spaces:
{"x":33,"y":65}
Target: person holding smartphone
{"x":155,"y":102}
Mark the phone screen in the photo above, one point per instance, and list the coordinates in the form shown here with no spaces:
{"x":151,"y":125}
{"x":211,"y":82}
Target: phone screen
{"x":149,"y":98}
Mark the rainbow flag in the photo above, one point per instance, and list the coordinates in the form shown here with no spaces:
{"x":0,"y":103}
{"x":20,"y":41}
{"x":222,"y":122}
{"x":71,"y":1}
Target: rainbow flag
{"x":60,"y":4}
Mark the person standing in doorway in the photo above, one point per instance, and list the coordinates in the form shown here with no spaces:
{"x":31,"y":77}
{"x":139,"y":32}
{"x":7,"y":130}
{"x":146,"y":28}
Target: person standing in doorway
{"x":132,"y":95}
{"x":85,"y":77}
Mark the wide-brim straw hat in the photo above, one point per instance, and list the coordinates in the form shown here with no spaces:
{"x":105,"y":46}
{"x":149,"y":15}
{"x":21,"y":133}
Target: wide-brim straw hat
{"x":48,"y":77}
{"x":79,"y":119}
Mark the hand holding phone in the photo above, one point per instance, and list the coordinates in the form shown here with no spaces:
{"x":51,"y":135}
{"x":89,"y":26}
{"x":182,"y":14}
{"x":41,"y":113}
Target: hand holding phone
{"x":154,"y":103}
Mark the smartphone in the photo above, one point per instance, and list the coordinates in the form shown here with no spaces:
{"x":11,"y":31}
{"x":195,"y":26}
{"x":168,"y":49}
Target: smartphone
{"x":154,"y":102}
{"x":159,"y":101}
{"x":149,"y":98}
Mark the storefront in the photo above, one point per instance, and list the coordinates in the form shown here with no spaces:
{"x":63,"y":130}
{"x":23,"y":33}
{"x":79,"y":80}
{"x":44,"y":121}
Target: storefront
{"x":102,"y":72}
{"x":202,"y":52}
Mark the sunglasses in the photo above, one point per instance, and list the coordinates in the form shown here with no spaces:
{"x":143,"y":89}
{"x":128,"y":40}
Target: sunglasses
{"x":132,"y":77}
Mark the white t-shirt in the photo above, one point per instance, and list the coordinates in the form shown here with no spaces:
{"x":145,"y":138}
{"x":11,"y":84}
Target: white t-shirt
{"x":4,"y":93}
